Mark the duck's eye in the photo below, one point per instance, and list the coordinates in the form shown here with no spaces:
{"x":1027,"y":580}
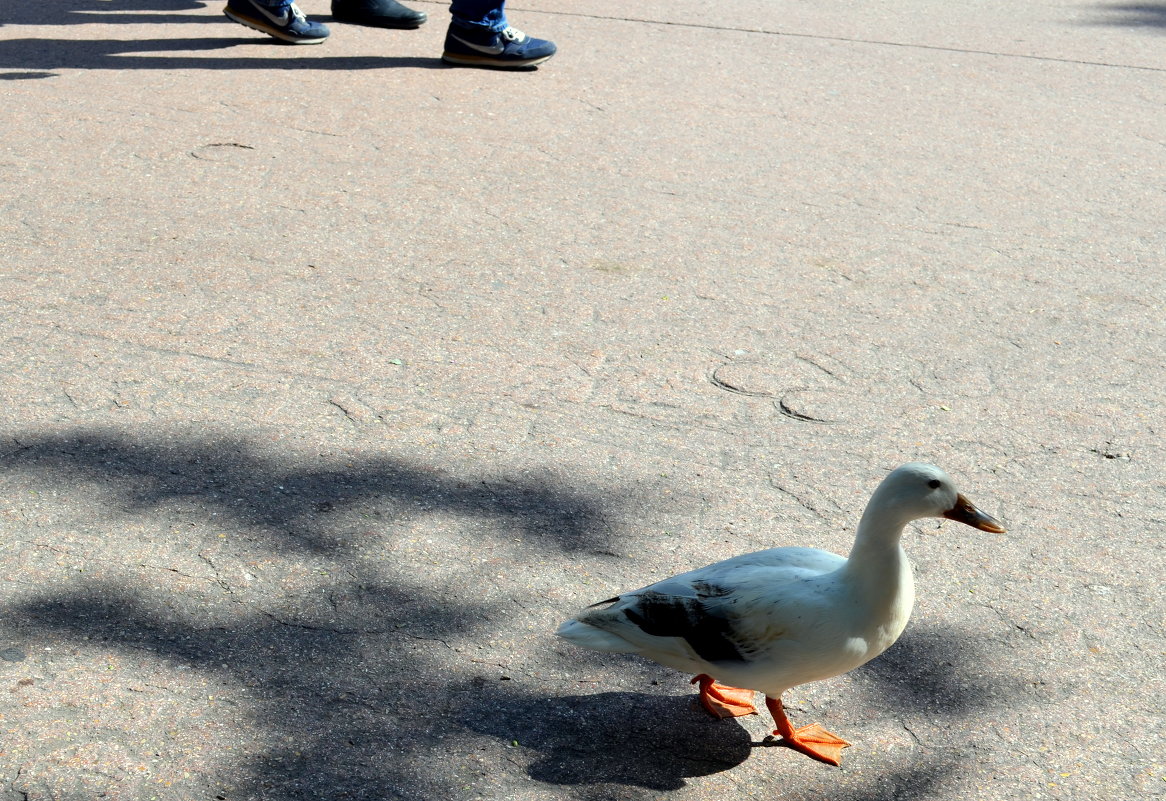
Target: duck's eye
{"x":934,"y":483}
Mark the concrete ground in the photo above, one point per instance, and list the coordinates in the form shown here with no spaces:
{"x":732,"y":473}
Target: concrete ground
{"x":335,"y":378}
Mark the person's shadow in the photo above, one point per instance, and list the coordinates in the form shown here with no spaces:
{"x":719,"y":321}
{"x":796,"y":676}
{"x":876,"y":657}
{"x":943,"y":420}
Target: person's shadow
{"x":38,"y":57}
{"x":1144,"y":16}
{"x":87,"y":12}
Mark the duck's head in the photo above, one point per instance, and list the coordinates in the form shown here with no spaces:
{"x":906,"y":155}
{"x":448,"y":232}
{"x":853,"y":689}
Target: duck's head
{"x":916,"y":490}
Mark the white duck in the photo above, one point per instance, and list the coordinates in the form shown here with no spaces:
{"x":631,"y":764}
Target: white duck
{"x":778,"y":618}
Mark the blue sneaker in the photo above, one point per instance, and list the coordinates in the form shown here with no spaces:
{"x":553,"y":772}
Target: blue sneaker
{"x":475,"y":46}
{"x":284,"y":22}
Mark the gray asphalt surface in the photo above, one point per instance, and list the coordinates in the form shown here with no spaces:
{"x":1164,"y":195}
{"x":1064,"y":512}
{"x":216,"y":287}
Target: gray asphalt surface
{"x":334,"y":379}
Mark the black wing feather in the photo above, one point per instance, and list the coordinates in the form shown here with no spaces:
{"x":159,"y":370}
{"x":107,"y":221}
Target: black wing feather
{"x":702,"y":625}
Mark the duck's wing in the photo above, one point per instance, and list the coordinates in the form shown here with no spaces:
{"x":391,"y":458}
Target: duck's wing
{"x":718,"y":614}
{"x":706,"y":620}
{"x":681,"y":629}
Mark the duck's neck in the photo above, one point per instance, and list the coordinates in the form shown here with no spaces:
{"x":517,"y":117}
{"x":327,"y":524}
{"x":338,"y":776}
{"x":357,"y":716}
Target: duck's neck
{"x":877,"y":569}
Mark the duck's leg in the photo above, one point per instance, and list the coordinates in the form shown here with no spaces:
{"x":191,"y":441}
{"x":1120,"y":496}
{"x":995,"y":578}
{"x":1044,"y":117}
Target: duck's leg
{"x":812,"y":740}
{"x":722,"y":701}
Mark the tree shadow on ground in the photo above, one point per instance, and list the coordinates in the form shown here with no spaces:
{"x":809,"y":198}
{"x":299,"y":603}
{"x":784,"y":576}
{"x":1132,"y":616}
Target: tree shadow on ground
{"x":375,"y":692}
{"x":353,"y":674}
{"x":291,"y":506}
{"x":936,"y":672}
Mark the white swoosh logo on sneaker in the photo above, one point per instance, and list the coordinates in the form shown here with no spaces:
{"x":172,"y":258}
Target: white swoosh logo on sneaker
{"x":490,"y":50}
{"x":280,"y":20}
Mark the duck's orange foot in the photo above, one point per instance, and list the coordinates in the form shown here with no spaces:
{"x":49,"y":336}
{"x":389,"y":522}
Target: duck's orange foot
{"x":816,"y":742}
{"x":722,"y":701}
{"x":813,"y":740}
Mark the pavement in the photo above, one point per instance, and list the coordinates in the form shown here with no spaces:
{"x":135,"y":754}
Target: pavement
{"x":334,"y":378}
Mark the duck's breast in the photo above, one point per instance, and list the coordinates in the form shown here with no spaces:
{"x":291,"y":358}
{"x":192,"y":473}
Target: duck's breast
{"x":810,"y":627}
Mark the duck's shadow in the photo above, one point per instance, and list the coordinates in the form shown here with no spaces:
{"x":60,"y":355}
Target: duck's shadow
{"x":621,"y":738}
{"x":658,"y":741}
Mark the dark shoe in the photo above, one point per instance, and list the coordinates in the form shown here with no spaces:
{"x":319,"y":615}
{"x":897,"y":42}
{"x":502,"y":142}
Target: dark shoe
{"x":377,"y":13}
{"x":283,"y":22}
{"x":475,"y":46}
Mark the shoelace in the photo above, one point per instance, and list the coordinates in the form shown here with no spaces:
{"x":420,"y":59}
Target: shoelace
{"x":513,"y":34}
{"x":295,"y":10}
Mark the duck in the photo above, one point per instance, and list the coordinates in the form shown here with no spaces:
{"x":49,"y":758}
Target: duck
{"x":768,"y":621}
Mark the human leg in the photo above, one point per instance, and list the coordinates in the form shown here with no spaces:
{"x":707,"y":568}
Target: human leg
{"x":281,"y":19}
{"x":479,"y":35}
{"x":480,"y":13}
{"x":377,"y":13}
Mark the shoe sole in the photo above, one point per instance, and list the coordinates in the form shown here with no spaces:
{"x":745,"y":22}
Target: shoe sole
{"x":258,"y":25}
{"x":462,"y":60}
{"x":385,"y":22}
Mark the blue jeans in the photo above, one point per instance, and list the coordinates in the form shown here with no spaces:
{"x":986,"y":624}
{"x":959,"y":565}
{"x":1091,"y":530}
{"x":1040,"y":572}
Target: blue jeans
{"x":480,"y":13}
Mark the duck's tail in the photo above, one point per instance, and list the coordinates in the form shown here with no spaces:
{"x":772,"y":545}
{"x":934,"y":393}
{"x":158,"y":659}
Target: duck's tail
{"x":587,"y":636}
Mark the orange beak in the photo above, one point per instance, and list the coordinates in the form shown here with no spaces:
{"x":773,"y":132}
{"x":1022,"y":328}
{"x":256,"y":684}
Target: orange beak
{"x":966,"y":512}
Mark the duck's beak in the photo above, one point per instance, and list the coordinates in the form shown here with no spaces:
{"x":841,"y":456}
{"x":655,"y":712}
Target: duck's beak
{"x":966,"y":512}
